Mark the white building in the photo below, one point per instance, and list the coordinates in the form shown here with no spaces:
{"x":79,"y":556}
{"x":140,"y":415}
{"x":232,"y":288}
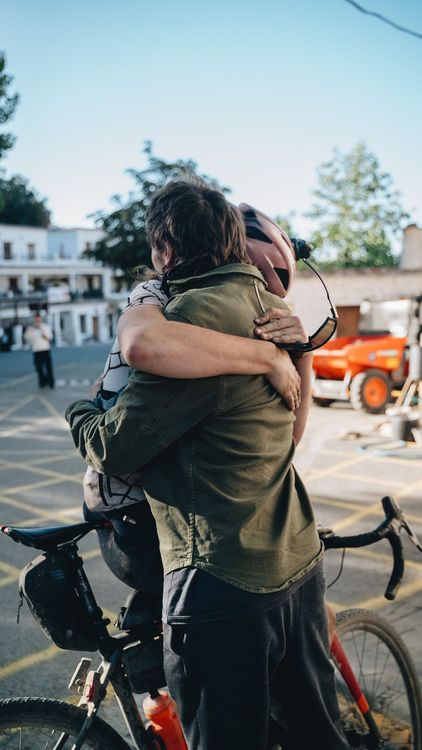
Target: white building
{"x":47,"y":270}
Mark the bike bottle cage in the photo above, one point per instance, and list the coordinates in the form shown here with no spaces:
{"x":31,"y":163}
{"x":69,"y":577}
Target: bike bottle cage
{"x":50,"y":537}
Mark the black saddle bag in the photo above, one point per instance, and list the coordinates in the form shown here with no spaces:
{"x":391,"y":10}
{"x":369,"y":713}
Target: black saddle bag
{"x":49,"y":586}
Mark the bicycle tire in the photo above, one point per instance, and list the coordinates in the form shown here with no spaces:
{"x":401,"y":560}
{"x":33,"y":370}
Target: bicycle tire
{"x":383,"y":666}
{"x":46,"y":717}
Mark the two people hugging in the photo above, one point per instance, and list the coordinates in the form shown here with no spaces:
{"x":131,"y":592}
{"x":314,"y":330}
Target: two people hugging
{"x":196,"y":453}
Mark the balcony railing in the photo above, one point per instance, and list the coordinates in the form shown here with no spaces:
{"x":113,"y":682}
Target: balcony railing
{"x":87,"y":294}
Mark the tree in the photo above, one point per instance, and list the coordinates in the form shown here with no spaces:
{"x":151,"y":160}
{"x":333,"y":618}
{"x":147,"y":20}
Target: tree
{"x":125,"y":244}
{"x":286,"y":223}
{"x":19,"y":204}
{"x":7,"y":106}
{"x":359,"y":210}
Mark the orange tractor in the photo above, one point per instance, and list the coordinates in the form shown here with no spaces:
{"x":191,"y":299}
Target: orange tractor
{"x":365,"y":369}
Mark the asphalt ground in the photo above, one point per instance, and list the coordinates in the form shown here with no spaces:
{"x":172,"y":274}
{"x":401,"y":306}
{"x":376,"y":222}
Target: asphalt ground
{"x":40,"y":484}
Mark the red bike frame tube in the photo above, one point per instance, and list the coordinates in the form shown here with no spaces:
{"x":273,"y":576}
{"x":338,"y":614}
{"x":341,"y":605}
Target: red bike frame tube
{"x":343,"y":664}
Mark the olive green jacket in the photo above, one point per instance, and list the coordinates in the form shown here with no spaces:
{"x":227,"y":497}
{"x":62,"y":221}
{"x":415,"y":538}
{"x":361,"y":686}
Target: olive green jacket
{"x":216,"y":453}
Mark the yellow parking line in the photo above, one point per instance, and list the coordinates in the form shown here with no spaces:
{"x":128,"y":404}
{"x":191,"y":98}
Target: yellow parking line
{"x":31,"y":660}
{"x":30,"y":508}
{"x":32,"y":466}
{"x":408,"y":489}
{"x":364,"y":455}
{"x":32,"y":486}
{"x":11,"y":383}
{"x":56,"y":479}
{"x":90,"y":554}
{"x":16,"y":406}
{"x":344,"y":523}
{"x":377,"y":602}
{"x":16,"y":381}
{"x":24,"y":452}
{"x":343,"y":504}
{"x":14,"y":576}
{"x":7,"y":580}
{"x":9,"y":569}
{"x":336,"y":606}
{"x":45,"y":458}
{"x":317,"y":473}
{"x":346,"y":504}
{"x":53,"y":458}
{"x":54,"y":412}
{"x":40,"y":657}
{"x":42,"y":472}
{"x":29,"y":427}
{"x":382,"y":557}
{"x":60,"y":516}
{"x":365,"y":479}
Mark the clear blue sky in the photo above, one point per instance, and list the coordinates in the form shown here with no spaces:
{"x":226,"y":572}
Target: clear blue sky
{"x":257,"y":93}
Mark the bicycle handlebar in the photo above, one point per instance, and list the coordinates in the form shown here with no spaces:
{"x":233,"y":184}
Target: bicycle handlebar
{"x":389,"y":529}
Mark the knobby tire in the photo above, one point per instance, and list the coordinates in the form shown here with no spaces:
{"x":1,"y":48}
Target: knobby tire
{"x":49,"y":718}
{"x":383,"y":666}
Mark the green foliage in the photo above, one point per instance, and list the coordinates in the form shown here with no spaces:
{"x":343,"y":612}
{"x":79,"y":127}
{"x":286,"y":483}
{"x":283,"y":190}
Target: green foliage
{"x":359,"y":211}
{"x":7,"y":106}
{"x":21,"y":205}
{"x":125,"y":245}
{"x":286,"y":223}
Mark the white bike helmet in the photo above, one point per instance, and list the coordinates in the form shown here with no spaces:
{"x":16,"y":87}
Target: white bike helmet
{"x":270,"y":249}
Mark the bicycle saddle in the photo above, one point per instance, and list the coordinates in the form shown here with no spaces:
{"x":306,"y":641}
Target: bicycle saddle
{"x":47,"y":538}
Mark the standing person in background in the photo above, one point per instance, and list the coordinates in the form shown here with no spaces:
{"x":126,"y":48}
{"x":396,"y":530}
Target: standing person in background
{"x":39,"y":336}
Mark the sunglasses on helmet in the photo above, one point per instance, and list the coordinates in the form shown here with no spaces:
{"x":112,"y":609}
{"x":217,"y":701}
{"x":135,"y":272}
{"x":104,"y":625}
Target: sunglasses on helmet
{"x":327,"y":330}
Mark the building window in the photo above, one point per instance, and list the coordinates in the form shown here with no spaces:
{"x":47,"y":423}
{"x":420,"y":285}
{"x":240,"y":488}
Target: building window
{"x":7,"y":250}
{"x":14,"y":286}
{"x":87,"y":247}
{"x":31,"y":251}
{"x":61,"y":251}
{"x":82,"y":319}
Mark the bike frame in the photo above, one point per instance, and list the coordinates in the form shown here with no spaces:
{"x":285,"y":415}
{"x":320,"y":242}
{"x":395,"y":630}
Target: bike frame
{"x":111,"y":669}
{"x":342,"y":663}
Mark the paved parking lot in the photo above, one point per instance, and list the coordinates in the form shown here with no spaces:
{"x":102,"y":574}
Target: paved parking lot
{"x":40,"y":484}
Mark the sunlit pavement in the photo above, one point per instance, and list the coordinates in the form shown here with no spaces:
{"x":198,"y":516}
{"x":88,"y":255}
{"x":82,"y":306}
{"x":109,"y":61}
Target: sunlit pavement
{"x":40,"y":484}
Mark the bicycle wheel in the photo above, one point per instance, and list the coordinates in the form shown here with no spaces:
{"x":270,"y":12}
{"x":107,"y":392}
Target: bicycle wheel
{"x":39,"y":724}
{"x":383,"y":667}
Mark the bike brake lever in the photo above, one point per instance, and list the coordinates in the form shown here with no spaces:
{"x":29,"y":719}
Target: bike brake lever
{"x":411,"y":534}
{"x":397,"y":518}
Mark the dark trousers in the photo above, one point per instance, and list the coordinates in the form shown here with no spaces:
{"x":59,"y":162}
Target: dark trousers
{"x":44,"y":367}
{"x":130,"y":547}
{"x":228,"y":676}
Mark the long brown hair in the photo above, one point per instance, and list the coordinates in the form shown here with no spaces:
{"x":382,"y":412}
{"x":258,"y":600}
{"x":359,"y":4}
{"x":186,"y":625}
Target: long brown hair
{"x":200,"y":226}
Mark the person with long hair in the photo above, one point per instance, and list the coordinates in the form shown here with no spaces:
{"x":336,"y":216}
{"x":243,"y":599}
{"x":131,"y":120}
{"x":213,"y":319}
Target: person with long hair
{"x":243,"y":598}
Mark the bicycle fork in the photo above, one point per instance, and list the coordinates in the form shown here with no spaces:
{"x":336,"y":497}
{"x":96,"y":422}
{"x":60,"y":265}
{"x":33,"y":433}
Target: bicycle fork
{"x":343,"y":664}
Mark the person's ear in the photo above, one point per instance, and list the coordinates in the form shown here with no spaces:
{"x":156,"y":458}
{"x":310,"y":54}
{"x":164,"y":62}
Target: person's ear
{"x":168,"y":256}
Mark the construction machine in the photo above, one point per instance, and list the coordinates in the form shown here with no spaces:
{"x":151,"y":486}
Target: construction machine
{"x":368,"y":368}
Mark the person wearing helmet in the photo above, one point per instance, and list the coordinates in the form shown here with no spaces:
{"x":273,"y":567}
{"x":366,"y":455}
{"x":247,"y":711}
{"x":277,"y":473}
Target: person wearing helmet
{"x":151,"y":343}
{"x":243,"y":600}
{"x":147,"y":341}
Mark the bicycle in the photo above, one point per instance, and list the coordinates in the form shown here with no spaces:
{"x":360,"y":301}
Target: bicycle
{"x":380,"y":697}
{"x":378,"y":688}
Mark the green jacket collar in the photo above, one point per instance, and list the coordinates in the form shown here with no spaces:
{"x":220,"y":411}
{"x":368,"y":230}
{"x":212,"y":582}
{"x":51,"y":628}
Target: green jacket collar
{"x":216,"y":275}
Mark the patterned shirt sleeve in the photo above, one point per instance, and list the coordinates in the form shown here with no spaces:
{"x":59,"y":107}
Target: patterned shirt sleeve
{"x":147,"y":293}
{"x":116,"y":370}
